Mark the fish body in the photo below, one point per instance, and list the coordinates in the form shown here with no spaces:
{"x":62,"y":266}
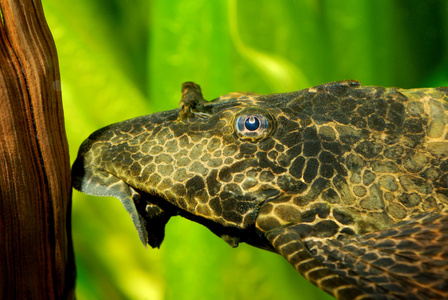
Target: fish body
{"x":348,"y":182}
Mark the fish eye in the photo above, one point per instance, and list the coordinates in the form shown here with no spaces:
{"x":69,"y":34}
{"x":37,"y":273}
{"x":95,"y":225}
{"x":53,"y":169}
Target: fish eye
{"x":253,"y":123}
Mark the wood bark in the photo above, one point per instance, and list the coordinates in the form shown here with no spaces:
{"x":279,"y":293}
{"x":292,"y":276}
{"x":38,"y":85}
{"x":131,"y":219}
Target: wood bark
{"x":36,"y":254}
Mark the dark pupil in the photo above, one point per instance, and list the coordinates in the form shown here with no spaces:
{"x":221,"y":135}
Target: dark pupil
{"x":252,"y":123}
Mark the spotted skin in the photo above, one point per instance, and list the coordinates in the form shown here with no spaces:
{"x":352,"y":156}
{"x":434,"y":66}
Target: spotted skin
{"x":348,"y":182}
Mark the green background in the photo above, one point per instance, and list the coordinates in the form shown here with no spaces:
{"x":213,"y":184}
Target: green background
{"x":124,"y":58}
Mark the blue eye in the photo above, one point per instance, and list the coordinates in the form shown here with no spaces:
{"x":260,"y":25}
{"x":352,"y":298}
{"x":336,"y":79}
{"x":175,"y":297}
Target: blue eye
{"x":252,"y":124}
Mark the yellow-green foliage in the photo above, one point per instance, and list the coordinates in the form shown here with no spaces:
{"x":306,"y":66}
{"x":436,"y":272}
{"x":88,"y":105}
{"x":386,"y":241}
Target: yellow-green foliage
{"x":121,"y":58}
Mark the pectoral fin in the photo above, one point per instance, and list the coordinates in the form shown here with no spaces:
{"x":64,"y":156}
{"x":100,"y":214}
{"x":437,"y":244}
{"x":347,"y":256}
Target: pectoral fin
{"x":288,"y":243}
{"x":408,"y":261}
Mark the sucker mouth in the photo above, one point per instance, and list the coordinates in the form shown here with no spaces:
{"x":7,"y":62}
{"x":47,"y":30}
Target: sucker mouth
{"x":156,"y":211}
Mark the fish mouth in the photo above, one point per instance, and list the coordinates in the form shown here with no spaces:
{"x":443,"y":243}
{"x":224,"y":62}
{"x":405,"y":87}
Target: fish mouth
{"x":156,"y":211}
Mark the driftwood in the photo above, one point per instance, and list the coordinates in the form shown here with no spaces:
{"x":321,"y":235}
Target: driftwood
{"x":36,"y":254}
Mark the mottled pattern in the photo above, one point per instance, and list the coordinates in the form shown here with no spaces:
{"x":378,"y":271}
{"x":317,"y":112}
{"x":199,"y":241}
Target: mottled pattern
{"x":348,"y":182}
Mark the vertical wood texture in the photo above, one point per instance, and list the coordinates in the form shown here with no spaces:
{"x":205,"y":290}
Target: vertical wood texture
{"x":36,"y":256}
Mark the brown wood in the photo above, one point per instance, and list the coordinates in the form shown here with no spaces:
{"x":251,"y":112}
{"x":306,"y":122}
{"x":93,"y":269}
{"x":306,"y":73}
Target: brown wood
{"x":36,"y":256}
